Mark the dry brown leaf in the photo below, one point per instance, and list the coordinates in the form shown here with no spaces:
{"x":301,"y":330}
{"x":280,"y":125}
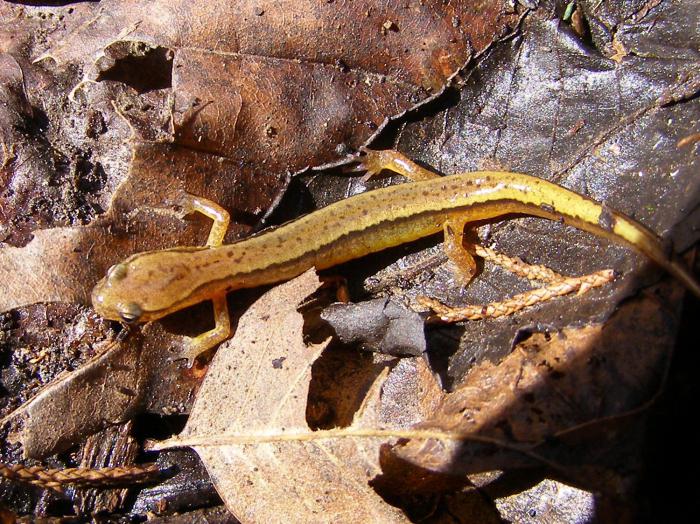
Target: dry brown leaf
{"x":272,"y":90}
{"x":248,"y":426}
{"x":285,"y":85}
{"x":274,"y":87}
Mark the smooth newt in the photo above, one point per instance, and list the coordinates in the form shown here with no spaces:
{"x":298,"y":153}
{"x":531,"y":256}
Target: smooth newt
{"x":150,"y":285}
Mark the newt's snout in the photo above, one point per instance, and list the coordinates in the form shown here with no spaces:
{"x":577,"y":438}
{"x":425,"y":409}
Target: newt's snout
{"x":108,"y":300}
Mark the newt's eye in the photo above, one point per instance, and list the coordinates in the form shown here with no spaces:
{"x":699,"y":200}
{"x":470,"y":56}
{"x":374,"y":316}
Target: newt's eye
{"x":116,"y":272}
{"x":130,"y":312}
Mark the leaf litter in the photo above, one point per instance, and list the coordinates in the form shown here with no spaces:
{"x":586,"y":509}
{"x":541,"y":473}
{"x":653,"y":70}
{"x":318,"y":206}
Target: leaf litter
{"x":220,"y":115}
{"x":241,"y":106}
{"x":531,"y":410}
{"x":252,"y":434}
{"x":188,"y":130}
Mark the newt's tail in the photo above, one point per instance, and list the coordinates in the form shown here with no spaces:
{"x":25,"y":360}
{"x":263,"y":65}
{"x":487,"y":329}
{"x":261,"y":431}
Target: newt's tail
{"x":619,"y":227}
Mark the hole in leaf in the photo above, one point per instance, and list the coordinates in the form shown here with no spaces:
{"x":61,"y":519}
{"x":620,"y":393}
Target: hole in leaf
{"x":138,"y":65}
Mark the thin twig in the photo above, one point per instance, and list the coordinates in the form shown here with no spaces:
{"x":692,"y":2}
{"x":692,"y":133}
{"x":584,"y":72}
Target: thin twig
{"x":57,"y":479}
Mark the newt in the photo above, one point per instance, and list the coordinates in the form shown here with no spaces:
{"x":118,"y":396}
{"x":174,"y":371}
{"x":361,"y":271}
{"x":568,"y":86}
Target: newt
{"x":150,"y":285}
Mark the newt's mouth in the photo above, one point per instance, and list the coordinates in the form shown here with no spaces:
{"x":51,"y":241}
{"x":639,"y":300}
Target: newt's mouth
{"x":100,"y":302}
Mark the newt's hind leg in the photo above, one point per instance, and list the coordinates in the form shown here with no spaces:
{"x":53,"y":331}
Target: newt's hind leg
{"x":461,"y":252}
{"x":207,"y":340}
{"x":457,"y":252}
{"x":454,"y":244}
{"x":190,"y":204}
{"x":373,"y":162}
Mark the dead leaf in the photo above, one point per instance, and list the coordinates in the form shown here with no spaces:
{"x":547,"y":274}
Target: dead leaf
{"x":625,"y":154}
{"x":410,"y":394}
{"x":378,"y":325}
{"x":122,"y":380}
{"x":563,"y":400}
{"x":258,"y":96}
{"x":266,"y":83}
{"x":36,"y":191}
{"x":248,"y":426}
{"x":70,"y":407}
{"x":338,"y":100}
{"x":548,"y":501}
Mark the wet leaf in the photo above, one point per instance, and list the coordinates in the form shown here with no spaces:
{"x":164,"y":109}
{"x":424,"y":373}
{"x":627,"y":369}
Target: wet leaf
{"x":570,"y":401}
{"x":548,"y":105}
{"x":378,"y":325}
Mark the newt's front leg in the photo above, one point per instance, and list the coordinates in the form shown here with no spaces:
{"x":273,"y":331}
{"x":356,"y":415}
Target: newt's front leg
{"x":373,"y":162}
{"x":189,"y":204}
{"x":222,"y":323}
{"x":222,"y":330}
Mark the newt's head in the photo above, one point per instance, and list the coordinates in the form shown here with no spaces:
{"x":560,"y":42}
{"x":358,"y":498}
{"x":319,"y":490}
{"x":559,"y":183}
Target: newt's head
{"x":145,"y":287}
{"x":119,"y":295}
